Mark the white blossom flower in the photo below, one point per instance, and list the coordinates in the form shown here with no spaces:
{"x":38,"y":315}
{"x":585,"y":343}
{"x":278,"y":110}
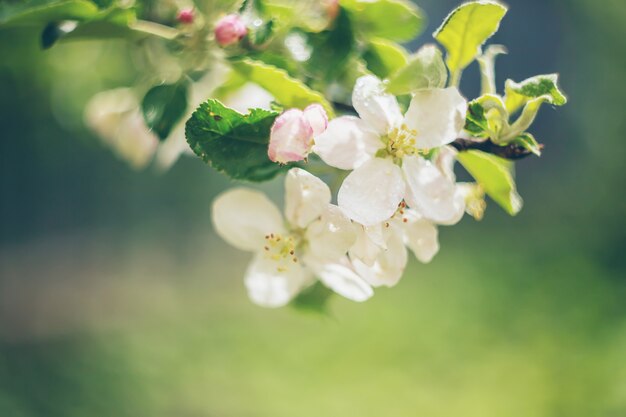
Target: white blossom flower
{"x":291,"y":137}
{"x":382,"y":147}
{"x":313,"y":241}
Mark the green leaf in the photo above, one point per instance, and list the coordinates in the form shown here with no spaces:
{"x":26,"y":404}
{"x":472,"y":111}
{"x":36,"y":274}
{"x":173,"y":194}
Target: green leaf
{"x":528,"y":142}
{"x":39,"y":12}
{"x":424,"y":70}
{"x":288,"y":91}
{"x":486,"y":117}
{"x":494,"y":174}
{"x":487,"y":63}
{"x":163,"y":106}
{"x":396,"y":20}
{"x":465,"y":30}
{"x":261,"y":30}
{"x":231,"y":142}
{"x":384,"y":57}
{"x":546,"y":86}
{"x":313,"y":299}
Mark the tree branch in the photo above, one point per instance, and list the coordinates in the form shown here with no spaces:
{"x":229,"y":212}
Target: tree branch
{"x":510,"y":151}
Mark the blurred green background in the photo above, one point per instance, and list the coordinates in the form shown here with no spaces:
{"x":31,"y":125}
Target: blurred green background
{"x":117,"y":299}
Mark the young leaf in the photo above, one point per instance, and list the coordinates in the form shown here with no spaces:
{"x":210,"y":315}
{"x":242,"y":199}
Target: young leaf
{"x":424,"y":70}
{"x":163,"y":106}
{"x":487,"y":62}
{"x":465,"y":30}
{"x":231,"y":142}
{"x":528,"y":141}
{"x":518,"y":94}
{"x":494,"y":174}
{"x":486,"y":117}
{"x":396,"y":20}
{"x":384,"y":57}
{"x":288,"y":91}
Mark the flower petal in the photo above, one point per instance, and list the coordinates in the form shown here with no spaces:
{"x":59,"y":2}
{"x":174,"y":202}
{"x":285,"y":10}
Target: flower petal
{"x":370,"y":242}
{"x":243,"y":217}
{"x":341,"y":278}
{"x":291,"y":137}
{"x":317,"y":118}
{"x":431,"y":193}
{"x":421,"y":236}
{"x":306,"y":197}
{"x":376,"y":107}
{"x":372,"y":192}
{"x":269,"y":286}
{"x":438,"y":116}
{"x":330,"y":237}
{"x":347,"y":143}
{"x":389,"y":267}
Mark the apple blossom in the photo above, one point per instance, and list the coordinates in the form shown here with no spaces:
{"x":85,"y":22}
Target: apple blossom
{"x":383,"y":148}
{"x":291,"y":137}
{"x":230,"y":29}
{"x":312,"y":240}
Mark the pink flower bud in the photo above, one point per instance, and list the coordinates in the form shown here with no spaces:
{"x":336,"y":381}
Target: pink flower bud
{"x":291,"y":137}
{"x":230,"y":29}
{"x":317,"y":118}
{"x":332,"y":8}
{"x":185,"y":16}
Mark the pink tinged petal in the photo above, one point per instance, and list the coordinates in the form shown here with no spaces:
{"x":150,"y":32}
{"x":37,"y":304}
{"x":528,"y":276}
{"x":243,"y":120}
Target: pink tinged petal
{"x":306,"y":197}
{"x":372,"y":192}
{"x":343,"y":279}
{"x":271,"y":286}
{"x":377,"y":108}
{"x":291,"y":137}
{"x":421,"y":236}
{"x":389,"y":266}
{"x":431,"y":193}
{"x":330,"y":237}
{"x":317,"y":118}
{"x":347,"y":143}
{"x":438,"y":116}
{"x":230,"y":29}
{"x":243,"y":217}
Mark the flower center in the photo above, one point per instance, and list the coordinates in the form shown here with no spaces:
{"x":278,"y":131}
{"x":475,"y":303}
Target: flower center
{"x":282,"y":250}
{"x":399,"y":142}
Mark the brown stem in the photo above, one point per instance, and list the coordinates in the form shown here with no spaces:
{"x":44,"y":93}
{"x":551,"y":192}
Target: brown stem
{"x":510,"y":151}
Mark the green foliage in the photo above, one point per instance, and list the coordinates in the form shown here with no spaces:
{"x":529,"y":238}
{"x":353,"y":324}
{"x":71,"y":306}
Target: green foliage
{"x":254,"y":11}
{"x":231,"y":142}
{"x":424,"y":70}
{"x":163,"y":106}
{"x":288,"y":91}
{"x":495,"y":175}
{"x":487,"y":62}
{"x":529,"y":142}
{"x":465,"y":30}
{"x":396,"y":20}
{"x":37,"y":12}
{"x":486,"y":117}
{"x":539,"y":86}
{"x":384,"y":57}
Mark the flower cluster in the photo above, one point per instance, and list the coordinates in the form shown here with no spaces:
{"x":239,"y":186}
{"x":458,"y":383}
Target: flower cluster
{"x":401,"y":187}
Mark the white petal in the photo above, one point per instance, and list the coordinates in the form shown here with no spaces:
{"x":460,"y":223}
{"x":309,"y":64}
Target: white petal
{"x":330,"y":237}
{"x":270,"y":287}
{"x":306,"y":197}
{"x":446,"y":157}
{"x":389,"y":267}
{"x":243,"y":217}
{"x":438,"y":116}
{"x":347,"y":143}
{"x":317,"y":118}
{"x":291,"y":137}
{"x":372,"y":192}
{"x":421,"y":236}
{"x":369,"y":243}
{"x":431,"y":193}
{"x":379,"y":109}
{"x":341,"y":278}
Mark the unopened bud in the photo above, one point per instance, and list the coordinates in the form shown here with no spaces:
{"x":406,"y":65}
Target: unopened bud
{"x":230,"y":29}
{"x":317,"y":118}
{"x":291,"y":137}
{"x":185,"y":16}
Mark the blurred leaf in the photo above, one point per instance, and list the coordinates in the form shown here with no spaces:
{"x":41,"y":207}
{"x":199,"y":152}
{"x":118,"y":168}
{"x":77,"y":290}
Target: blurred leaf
{"x":384,"y":57}
{"x":396,"y":20}
{"x":487,"y":62}
{"x":313,"y":299}
{"x":39,"y":12}
{"x":54,"y":31}
{"x":259,"y":25}
{"x":331,"y":48}
{"x":546,"y":86}
{"x":494,"y":174}
{"x":464,"y":31}
{"x":288,"y":91}
{"x":528,"y":142}
{"x":231,"y":142}
{"x":424,"y":70}
{"x":163,"y":106}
